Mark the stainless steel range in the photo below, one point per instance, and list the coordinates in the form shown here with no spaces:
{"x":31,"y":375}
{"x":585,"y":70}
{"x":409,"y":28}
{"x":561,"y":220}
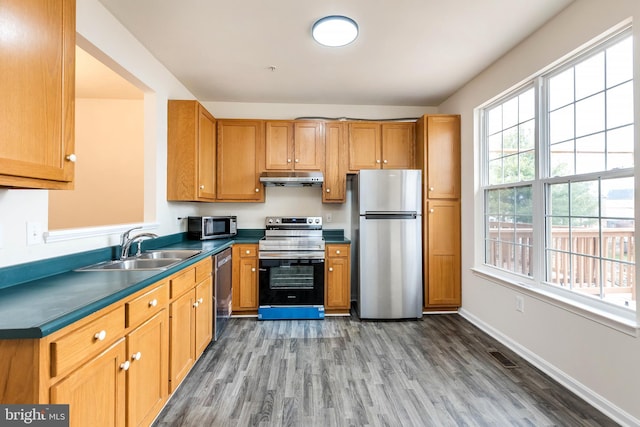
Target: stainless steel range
{"x":291,"y":269}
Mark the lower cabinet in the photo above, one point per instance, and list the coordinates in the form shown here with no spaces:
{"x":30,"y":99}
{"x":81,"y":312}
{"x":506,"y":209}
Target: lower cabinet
{"x":116,"y":367}
{"x":244,"y":275}
{"x":337,"y":287}
{"x":96,"y":391}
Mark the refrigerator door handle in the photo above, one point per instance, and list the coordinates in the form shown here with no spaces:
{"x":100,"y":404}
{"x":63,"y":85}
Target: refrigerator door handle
{"x":390,"y":215}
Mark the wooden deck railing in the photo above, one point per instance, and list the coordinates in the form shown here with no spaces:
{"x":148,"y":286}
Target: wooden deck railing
{"x":579,"y":271}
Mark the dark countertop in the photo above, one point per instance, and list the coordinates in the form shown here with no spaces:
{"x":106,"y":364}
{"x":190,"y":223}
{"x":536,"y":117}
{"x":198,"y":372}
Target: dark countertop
{"x":39,"y":298}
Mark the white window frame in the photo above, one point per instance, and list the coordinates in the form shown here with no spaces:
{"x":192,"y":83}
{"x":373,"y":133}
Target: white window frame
{"x":621,"y":318}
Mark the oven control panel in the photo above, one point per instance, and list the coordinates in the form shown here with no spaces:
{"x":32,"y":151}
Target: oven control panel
{"x":293,"y":222}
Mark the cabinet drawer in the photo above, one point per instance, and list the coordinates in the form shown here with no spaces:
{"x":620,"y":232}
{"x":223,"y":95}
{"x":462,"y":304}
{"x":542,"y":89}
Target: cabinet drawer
{"x":183,"y":282}
{"x":203,"y":269}
{"x":333,"y":251}
{"x":146,"y":305}
{"x":248,"y":251}
{"x":79,"y":344}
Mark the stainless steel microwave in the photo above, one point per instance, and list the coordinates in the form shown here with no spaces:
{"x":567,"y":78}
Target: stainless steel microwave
{"x":211,"y":227}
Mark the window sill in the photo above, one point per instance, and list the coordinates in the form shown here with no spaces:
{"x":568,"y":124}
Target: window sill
{"x":626,"y":325}
{"x":82,"y":233}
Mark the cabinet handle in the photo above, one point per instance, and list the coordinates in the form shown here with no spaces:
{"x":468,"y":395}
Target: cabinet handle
{"x":202,"y":187}
{"x":330,"y":268}
{"x":200,"y":300}
{"x":431,"y":188}
{"x":153,"y":302}
{"x":378,"y":161}
{"x":257,"y":190}
{"x":431,"y":210}
{"x":100,"y":336}
{"x":253,"y":270}
{"x":288,"y":160}
{"x":125,"y":365}
{"x":338,"y":252}
{"x":297,"y":160}
{"x":136,"y":356}
{"x":71,"y":158}
{"x":328,"y":190}
{"x":385,"y":162}
{"x":196,"y":304}
{"x":247,"y":251}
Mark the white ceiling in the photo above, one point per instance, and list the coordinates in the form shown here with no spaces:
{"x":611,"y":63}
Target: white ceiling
{"x":409,"y":52}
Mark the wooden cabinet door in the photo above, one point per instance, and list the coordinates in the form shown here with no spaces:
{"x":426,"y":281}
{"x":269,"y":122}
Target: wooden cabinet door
{"x":181,"y":338}
{"x":245,"y":278}
{"x":443,"y":157}
{"x":442,"y":262}
{"x":96,"y":392}
{"x":240,"y":148}
{"x":337,"y":283}
{"x":206,"y":155}
{"x":398,"y":145}
{"x":365,"y":146}
{"x":38,"y":92}
{"x":308,"y":146}
{"x":147,"y":382}
{"x":204,"y":315}
{"x":278,"y":145}
{"x":334,"y":188}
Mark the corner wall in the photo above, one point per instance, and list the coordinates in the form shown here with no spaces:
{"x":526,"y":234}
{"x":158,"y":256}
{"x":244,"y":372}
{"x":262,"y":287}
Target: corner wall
{"x":598,"y":362}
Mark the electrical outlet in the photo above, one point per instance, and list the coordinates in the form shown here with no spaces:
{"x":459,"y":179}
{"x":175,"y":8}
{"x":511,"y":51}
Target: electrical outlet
{"x":329,"y":217}
{"x":519,"y":303}
{"x":34,"y":233}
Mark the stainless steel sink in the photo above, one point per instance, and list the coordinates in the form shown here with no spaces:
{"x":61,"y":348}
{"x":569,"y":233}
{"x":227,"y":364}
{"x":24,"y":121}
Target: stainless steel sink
{"x":169,"y":253}
{"x":151,"y":260}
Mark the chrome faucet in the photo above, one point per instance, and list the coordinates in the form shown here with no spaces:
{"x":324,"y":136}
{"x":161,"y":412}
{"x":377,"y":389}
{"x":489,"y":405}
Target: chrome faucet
{"x":126,"y":241}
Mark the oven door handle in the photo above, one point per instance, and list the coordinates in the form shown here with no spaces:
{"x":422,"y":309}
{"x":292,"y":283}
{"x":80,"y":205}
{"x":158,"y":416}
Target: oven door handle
{"x":291,"y":255}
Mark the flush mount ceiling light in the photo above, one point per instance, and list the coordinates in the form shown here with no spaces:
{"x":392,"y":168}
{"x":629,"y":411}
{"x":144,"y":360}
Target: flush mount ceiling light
{"x":335,"y":30}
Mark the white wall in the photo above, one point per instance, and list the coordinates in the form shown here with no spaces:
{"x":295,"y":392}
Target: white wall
{"x":599,"y":362}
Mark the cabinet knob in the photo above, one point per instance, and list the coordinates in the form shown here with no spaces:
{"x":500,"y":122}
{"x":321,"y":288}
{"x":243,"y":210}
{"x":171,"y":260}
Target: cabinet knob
{"x":385,"y":162}
{"x":136,"y":356}
{"x":431,"y":189}
{"x":100,"y":336}
{"x":330,"y":268}
{"x":247,"y":252}
{"x":153,"y":302}
{"x":328,"y":190}
{"x":338,"y":252}
{"x":71,"y":158}
{"x":200,"y":300}
{"x":125,"y":365}
{"x":253,"y":269}
{"x":288,"y":160}
{"x":378,"y":161}
{"x":297,"y":160}
{"x":431,"y":210}
{"x":196,"y":304}
{"x":202,"y":187}
{"x":257,"y":190}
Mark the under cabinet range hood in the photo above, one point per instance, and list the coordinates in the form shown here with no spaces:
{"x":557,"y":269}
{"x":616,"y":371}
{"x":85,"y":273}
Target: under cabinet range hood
{"x":291,"y":179}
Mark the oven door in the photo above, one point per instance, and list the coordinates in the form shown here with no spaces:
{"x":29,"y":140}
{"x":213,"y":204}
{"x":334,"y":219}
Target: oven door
{"x":291,"y":281}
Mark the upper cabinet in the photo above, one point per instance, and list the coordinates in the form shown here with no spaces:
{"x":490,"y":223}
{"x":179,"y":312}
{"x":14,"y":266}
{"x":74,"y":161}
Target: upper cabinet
{"x":374,"y":145}
{"x":38,"y":91}
{"x":240,"y":152}
{"x":334,"y":188}
{"x":439,"y":153}
{"x":191,"y":152}
{"x":293,"y":145}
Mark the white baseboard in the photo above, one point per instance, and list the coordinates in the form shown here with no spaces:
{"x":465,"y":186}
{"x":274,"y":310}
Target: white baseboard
{"x":594,"y":399}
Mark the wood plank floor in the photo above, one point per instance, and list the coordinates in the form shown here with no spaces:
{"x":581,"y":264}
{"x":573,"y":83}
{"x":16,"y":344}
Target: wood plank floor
{"x":438,"y":371}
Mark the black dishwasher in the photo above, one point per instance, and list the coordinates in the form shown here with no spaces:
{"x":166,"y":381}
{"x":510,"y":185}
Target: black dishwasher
{"x":222,"y":291}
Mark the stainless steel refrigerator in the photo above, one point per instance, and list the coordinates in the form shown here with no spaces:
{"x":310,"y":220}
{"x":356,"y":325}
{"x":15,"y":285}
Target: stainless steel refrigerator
{"x":387,"y":235}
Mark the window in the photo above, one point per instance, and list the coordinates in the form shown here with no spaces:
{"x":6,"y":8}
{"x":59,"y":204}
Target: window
{"x":558,"y":178}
